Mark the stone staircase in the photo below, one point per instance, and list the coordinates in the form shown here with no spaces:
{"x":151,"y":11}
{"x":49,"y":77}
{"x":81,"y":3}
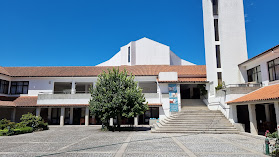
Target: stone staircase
{"x":195,"y":119}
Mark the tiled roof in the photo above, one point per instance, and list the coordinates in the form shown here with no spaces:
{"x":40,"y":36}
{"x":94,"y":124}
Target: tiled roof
{"x":182,"y":80}
{"x":262,"y":94}
{"x":261,"y":54}
{"x":31,"y":101}
{"x":4,"y":71}
{"x":154,"y":104}
{"x":83,"y":71}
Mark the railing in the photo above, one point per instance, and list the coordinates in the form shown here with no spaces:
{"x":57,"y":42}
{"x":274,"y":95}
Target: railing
{"x":244,"y":85}
{"x":66,"y":92}
{"x":152,"y":97}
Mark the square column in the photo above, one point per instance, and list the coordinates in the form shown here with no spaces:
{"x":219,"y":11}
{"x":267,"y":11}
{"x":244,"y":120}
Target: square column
{"x":38,"y":111}
{"x":136,"y":122}
{"x":276,"y":106}
{"x":73,"y":90}
{"x":13,"y":115}
{"x":71,"y":115}
{"x":62,"y":115}
{"x":267,"y":112}
{"x":233,"y":114}
{"x":252,"y":118}
{"x":49,"y":114}
{"x":86,"y":116}
{"x":111,"y":122}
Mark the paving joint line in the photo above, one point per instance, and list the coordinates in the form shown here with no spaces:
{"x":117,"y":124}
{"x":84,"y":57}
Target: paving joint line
{"x":122,"y":149}
{"x":73,"y":143}
{"x":184,"y":148}
{"x":253,"y":151}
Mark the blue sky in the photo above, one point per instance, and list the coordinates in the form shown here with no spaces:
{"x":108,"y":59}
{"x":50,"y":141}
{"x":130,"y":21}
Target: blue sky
{"x":87,"y":32}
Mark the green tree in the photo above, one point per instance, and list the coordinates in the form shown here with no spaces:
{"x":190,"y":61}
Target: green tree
{"x":116,"y":95}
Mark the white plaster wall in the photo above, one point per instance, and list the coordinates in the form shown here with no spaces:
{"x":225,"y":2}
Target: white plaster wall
{"x":168,"y":76}
{"x":232,"y":39}
{"x":175,"y":60}
{"x":262,"y":61}
{"x":149,"y":52}
{"x":209,"y":42}
{"x":161,"y":113}
{"x":145,"y":52}
{"x":165,"y":98}
{"x":46,"y":84}
{"x":114,"y":61}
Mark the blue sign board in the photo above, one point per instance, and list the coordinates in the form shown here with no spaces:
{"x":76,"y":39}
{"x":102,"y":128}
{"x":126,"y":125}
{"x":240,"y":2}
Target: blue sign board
{"x":173,"y":98}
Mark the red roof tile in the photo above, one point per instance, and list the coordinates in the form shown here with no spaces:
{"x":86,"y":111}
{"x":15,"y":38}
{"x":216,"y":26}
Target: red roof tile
{"x":31,"y":101}
{"x":154,"y":104}
{"x":138,"y":70}
{"x":262,"y":94}
{"x":4,"y":71}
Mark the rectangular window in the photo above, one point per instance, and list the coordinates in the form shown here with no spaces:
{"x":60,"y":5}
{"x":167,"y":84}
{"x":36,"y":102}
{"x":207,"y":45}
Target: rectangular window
{"x":129,"y":54}
{"x":273,"y":69}
{"x":19,"y":87}
{"x":254,"y":74}
{"x":215,"y":7}
{"x":218,"y":56}
{"x":219,"y":75}
{"x":216,"y":28}
{"x":4,"y":86}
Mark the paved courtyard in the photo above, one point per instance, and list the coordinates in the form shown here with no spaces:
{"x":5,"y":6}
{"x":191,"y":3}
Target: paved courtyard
{"x":90,"y":141}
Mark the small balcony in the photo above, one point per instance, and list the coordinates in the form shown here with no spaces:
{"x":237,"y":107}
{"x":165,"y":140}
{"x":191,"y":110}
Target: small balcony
{"x":239,"y":88}
{"x":49,"y":98}
{"x":152,"y":98}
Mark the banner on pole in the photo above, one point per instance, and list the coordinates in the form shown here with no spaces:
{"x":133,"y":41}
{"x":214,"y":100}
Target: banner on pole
{"x":173,"y":98}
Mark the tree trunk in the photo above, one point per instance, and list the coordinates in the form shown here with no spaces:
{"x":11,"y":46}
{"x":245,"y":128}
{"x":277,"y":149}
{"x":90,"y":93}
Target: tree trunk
{"x":118,"y":121}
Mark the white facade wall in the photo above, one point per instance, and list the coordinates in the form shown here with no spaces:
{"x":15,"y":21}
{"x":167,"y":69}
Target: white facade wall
{"x":233,"y":49}
{"x":145,"y":52}
{"x":168,"y":76}
{"x":262,"y":61}
{"x":232,"y":39}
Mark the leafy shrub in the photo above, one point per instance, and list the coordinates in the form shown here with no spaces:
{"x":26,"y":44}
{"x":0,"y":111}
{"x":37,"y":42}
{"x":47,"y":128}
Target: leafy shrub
{"x":23,"y":130}
{"x":33,"y":121}
{"x":7,"y":132}
{"x":272,"y":135}
{"x":4,"y":123}
{"x":43,"y":125}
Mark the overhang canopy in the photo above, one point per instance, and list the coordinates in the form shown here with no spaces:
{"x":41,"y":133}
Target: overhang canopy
{"x":263,"y":94}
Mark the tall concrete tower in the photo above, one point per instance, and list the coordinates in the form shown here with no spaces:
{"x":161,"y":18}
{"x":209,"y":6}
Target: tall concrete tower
{"x":225,"y":41}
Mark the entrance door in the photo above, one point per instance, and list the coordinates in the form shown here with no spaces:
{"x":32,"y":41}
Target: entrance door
{"x":243,"y":116}
{"x":77,"y":116}
{"x":196,"y":94}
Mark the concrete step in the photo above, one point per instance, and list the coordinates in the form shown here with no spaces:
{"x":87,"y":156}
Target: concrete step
{"x":195,"y":132}
{"x":195,"y":119}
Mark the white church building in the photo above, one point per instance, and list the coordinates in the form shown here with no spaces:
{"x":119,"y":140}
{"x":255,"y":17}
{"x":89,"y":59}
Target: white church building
{"x":244,"y":91}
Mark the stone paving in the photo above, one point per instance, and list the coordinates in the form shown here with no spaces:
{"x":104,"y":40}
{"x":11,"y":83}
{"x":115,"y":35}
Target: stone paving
{"x":90,"y":141}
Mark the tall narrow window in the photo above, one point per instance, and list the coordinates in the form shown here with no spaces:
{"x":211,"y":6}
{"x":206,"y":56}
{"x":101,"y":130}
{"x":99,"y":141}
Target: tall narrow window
{"x":219,"y":75}
{"x":218,"y":57}
{"x":215,"y":7}
{"x":216,"y":27}
{"x":254,"y":74}
{"x":129,"y":54}
{"x":4,"y":85}
{"x":273,"y":69}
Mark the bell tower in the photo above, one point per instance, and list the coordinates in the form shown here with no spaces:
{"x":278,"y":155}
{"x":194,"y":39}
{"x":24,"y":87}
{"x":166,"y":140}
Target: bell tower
{"x":225,"y":41}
